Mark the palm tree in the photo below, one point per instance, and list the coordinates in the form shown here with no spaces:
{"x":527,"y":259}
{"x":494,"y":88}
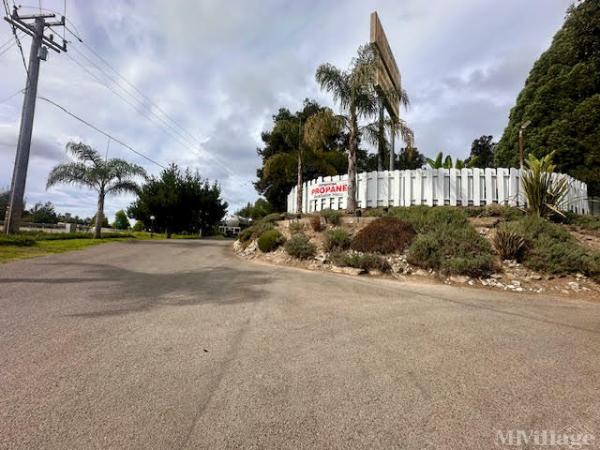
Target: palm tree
{"x":445,"y":163}
{"x":111,"y":176}
{"x":354,"y":89}
{"x":372,"y":132}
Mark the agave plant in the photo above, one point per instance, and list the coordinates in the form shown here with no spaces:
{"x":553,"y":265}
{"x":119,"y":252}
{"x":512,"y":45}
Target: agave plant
{"x":545,"y":191}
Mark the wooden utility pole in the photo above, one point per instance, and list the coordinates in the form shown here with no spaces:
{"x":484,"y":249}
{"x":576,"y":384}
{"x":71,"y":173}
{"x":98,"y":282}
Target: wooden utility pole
{"x":35,"y":26}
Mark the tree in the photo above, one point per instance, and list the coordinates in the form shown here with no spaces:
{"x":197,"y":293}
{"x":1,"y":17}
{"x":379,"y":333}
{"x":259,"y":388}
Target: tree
{"x":445,"y":163}
{"x":121,"y":220}
{"x":561,"y":99}
{"x":482,"y":153}
{"x":43,"y":213}
{"x":103,"y":223}
{"x":409,"y":158}
{"x":258,"y":210}
{"x":279,"y":170}
{"x":180,"y":201}
{"x":4,"y":202}
{"x":106,"y":177}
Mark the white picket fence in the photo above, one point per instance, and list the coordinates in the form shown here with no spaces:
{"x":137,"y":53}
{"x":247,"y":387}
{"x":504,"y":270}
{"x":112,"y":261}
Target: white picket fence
{"x":464,"y":187}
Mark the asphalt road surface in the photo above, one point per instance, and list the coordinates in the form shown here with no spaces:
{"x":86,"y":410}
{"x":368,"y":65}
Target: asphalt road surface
{"x":180,"y":344}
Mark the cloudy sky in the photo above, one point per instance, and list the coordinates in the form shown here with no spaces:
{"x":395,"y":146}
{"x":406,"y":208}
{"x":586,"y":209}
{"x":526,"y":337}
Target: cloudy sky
{"x":219,"y":70}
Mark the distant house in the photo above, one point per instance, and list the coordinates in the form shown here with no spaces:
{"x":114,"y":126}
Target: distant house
{"x":232,"y":225}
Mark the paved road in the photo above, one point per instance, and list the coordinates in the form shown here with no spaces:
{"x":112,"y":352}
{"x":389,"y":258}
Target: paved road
{"x":179,"y":344}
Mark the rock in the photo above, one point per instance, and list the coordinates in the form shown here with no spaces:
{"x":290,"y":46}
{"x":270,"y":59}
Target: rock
{"x":471,"y":282}
{"x":347,"y":270}
{"x":496,"y":276}
{"x":515,"y":283}
{"x":459,"y":278}
{"x":321,"y":257}
{"x":375,"y":272}
{"x":534,"y":276}
{"x":574,"y":286}
{"x":519,"y":289}
{"x":421,"y":273}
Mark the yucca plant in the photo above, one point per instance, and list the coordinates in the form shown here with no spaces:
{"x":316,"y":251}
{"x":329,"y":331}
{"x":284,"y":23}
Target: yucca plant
{"x":545,"y":192}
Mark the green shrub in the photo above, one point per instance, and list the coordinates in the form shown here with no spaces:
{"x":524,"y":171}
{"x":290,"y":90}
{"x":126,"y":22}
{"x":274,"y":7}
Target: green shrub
{"x":19,"y":241}
{"x":446,"y":241}
{"x":508,"y":213}
{"x":590,"y":223}
{"x":254,"y":231}
{"x":374,"y":212}
{"x":509,"y":244}
{"x":138,"y":226}
{"x":384,"y":235}
{"x":553,"y":250}
{"x":332,"y":216}
{"x":299,"y":246}
{"x":364,"y":261}
{"x":337,"y":239}
{"x":296,"y":227}
{"x":425,"y":252}
{"x":315,"y":222}
{"x":270,"y":240}
{"x":273,"y":217}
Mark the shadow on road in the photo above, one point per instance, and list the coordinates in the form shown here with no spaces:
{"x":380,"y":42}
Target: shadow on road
{"x":118,"y":291}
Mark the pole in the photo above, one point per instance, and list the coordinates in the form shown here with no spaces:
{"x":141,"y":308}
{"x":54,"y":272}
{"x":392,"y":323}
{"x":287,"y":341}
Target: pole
{"x":392,"y":145}
{"x":13,"y":214}
{"x":300,"y":189}
{"x":381,"y":149}
{"x":521,"y":149}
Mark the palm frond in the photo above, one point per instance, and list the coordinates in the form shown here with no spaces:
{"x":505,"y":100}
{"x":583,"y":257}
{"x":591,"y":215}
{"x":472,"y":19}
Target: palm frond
{"x":334,"y":81}
{"x":72,"y":173}
{"x":122,"y":186}
{"x":84,"y":153}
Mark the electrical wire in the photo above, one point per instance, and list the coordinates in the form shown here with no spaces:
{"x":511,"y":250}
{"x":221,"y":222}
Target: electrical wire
{"x":114,"y":139}
{"x":4,"y":100}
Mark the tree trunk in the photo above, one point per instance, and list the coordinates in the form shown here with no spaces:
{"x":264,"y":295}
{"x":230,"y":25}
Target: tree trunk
{"x":99,"y":215}
{"x":300,"y":186}
{"x":352,"y":151}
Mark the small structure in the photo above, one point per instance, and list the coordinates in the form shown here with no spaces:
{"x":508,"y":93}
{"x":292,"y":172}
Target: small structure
{"x":431,"y":187}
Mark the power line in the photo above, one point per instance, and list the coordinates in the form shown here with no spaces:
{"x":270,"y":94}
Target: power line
{"x":20,"y":91}
{"x":133,"y":105}
{"x":94,"y":127}
{"x":14,"y":30}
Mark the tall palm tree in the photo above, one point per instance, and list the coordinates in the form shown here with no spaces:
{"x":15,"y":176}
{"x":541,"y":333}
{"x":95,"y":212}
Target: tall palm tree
{"x":354,"y":89}
{"x":111,"y":176}
{"x":372,"y":132}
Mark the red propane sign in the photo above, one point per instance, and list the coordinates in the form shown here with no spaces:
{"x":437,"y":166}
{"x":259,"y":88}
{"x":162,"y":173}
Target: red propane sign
{"x":331,"y":189}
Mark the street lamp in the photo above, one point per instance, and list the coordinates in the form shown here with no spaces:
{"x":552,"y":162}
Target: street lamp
{"x":152,"y":228}
{"x":521,"y":143}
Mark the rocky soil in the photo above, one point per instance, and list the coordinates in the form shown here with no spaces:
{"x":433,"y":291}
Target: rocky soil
{"x":512,"y":276}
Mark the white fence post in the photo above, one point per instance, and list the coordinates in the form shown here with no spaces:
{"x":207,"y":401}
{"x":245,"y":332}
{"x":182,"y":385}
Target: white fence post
{"x":432,"y":187}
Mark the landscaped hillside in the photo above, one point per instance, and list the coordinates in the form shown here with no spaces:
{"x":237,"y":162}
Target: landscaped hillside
{"x":561,"y":98}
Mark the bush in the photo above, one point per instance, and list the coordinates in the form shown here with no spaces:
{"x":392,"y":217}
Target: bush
{"x":374,"y":212}
{"x":273,"y":217}
{"x":296,"y":227}
{"x":384,"y":235}
{"x":509,"y":244}
{"x":425,"y":252}
{"x":553,"y":250}
{"x":19,"y":241}
{"x":446,"y":241}
{"x":299,"y":246}
{"x":254,"y":231}
{"x":270,"y":240}
{"x":590,"y":223}
{"x":138,"y":226}
{"x":315,"y":223}
{"x":506,"y":212}
{"x":337,"y":239}
{"x":332,"y":216}
{"x":364,"y":261}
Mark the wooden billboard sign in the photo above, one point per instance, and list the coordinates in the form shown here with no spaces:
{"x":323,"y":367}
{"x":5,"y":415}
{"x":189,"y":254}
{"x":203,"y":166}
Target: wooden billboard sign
{"x":387,"y":76}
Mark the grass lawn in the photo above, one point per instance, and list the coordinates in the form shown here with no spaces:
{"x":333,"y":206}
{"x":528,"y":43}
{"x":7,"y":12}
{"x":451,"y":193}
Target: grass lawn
{"x":33,"y":244}
{"x":48,"y":247}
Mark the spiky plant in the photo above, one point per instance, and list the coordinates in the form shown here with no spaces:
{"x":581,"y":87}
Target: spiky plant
{"x":544,"y":190}
{"x":105,"y":176}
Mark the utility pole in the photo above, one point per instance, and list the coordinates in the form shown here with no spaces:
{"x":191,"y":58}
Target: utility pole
{"x":522,"y":142}
{"x":300,"y":188}
{"x":35,"y":26}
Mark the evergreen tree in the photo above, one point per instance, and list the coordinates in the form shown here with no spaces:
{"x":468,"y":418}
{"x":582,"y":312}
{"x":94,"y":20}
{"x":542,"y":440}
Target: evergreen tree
{"x":561,"y":98}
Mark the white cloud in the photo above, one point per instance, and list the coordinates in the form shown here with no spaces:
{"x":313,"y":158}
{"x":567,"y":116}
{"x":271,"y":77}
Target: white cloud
{"x":222,"y":71}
